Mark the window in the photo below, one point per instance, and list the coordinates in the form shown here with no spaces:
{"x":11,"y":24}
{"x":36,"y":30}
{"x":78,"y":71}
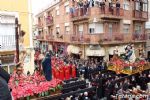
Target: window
{"x":138,"y":29}
{"x":137,"y":5}
{"x":126,"y":5}
{"x":91,"y":28}
{"x":145,"y":5}
{"x":67,"y":9}
{"x":80,"y":29}
{"x":110,"y":28}
{"x":67,"y":29}
{"x":58,"y":29}
{"x":126,"y":28}
{"x":95,"y":28}
{"x":57,"y":12}
{"x":98,"y":28}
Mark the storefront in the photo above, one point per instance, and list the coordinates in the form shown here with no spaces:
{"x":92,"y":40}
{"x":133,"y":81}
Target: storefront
{"x":95,"y":52}
{"x":74,"y":51}
{"x":59,"y":48}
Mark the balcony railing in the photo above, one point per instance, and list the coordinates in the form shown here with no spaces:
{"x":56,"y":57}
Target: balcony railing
{"x":111,"y":12}
{"x":7,"y":42}
{"x":49,"y":20}
{"x":106,"y":38}
{"x":40,"y":24}
{"x":40,"y":37}
{"x":49,"y":37}
{"x":139,"y":37}
{"x":140,"y":14}
{"x":80,"y":13}
{"x":106,"y":12}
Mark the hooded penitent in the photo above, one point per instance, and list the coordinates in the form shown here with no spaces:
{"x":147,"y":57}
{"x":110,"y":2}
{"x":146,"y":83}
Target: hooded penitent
{"x":47,"y":69}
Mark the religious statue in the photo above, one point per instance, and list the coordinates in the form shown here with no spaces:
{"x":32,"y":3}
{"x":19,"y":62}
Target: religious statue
{"x":46,"y":65}
{"x":129,"y":53}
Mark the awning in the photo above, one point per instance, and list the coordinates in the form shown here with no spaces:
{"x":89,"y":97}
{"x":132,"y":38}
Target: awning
{"x":73,"y":49}
{"x":50,"y":47}
{"x":120,"y":49}
{"x":97,"y":52}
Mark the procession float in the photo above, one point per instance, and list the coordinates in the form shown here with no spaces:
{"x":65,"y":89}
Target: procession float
{"x":33,"y":86}
{"x":128,"y":63}
{"x":27,"y":86}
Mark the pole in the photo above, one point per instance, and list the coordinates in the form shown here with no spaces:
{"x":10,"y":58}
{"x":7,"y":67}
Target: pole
{"x":17,"y":40}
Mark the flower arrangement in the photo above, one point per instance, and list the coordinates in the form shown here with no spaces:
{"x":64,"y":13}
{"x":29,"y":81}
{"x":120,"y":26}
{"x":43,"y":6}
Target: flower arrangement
{"x":32,"y":86}
{"x":119,"y":65}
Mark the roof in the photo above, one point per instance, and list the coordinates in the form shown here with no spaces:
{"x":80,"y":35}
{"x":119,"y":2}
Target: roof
{"x":55,"y":2}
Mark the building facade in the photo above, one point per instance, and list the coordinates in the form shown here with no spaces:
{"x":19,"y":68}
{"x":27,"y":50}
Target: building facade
{"x":93,"y":30}
{"x":148,"y":33}
{"x":9,"y":10}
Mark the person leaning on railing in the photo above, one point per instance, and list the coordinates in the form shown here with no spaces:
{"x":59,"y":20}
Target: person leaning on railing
{"x":102,"y":6}
{"x":117,"y":8}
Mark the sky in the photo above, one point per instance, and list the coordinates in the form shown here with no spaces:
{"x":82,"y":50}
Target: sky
{"x":37,"y":5}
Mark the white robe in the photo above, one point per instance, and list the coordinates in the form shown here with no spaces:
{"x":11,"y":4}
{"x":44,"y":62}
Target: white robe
{"x":133,"y":57}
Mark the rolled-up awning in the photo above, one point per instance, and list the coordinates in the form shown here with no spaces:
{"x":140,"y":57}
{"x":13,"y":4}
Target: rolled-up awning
{"x":121,"y":50}
{"x":97,"y":52}
{"x":73,"y":49}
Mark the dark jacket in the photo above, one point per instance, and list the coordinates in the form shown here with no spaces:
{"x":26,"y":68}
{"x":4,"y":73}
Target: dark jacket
{"x":47,"y":69}
{"x":4,"y":75}
{"x":4,"y":89}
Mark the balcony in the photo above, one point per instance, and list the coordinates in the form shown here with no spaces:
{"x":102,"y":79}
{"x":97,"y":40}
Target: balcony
{"x":140,"y":15}
{"x":85,"y":39}
{"x":139,"y":37}
{"x":80,"y":14}
{"x":122,"y":38}
{"x":40,"y":25}
{"x":49,"y":37}
{"x":49,"y":21}
{"x":40,"y":37}
{"x":101,"y":38}
{"x":7,"y":43}
{"x":111,"y":13}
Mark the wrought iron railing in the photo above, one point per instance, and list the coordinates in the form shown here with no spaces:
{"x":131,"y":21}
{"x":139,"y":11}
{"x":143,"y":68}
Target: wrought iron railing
{"x":7,"y":42}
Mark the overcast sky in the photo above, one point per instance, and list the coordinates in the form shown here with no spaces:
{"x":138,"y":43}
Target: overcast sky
{"x":37,"y":5}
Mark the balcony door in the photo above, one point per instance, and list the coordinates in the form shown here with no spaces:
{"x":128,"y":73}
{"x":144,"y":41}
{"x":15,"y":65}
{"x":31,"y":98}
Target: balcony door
{"x":80,"y":29}
{"x":110,"y":29}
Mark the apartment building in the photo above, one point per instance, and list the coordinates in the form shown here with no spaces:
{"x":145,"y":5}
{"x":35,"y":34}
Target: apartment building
{"x":94,"y":31}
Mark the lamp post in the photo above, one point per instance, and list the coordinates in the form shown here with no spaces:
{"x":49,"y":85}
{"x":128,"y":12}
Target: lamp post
{"x":17,"y":39}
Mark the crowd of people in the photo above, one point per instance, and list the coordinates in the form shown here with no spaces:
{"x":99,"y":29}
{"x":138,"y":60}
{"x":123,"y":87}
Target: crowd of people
{"x":111,"y":85}
{"x":84,"y":6}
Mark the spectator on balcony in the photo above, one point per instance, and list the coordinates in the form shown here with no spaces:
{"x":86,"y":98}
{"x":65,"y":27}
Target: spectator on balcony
{"x":80,"y":5}
{"x":72,"y":10}
{"x":111,"y":6}
{"x":102,"y":5}
{"x":86,"y":5}
{"x":91,"y":3}
{"x":141,"y":5}
{"x":117,"y":8}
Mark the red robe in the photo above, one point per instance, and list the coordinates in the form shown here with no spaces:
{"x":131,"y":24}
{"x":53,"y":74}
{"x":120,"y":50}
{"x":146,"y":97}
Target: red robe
{"x":62,"y":74}
{"x":53,"y":72}
{"x":73,"y":71}
{"x":67,"y":72}
{"x":56,"y":73}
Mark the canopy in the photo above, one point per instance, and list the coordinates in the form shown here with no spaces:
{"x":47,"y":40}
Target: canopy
{"x":96,"y":52}
{"x":73,"y":49}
